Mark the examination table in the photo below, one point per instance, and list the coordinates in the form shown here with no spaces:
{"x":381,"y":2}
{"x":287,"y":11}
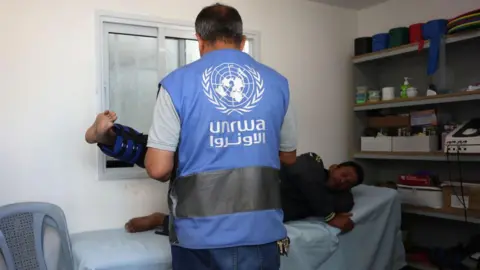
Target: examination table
{"x":374,"y":244}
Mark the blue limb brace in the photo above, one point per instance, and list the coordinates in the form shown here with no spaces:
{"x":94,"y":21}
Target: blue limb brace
{"x":130,"y":146}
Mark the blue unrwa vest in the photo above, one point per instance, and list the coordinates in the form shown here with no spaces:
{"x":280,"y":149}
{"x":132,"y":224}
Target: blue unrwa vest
{"x":231,"y":110}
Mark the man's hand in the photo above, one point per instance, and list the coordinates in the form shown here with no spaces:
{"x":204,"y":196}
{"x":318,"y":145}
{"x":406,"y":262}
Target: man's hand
{"x":343,"y":222}
{"x":288,"y":158}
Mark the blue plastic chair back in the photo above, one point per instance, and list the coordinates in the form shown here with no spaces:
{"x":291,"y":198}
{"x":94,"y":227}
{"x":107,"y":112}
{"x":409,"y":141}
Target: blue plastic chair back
{"x":22,"y":227}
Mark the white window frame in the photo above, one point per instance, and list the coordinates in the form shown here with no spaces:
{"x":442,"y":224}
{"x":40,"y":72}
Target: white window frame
{"x":165,"y":28}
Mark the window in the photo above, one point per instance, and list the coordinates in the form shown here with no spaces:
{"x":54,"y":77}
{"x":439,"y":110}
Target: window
{"x":134,"y":55}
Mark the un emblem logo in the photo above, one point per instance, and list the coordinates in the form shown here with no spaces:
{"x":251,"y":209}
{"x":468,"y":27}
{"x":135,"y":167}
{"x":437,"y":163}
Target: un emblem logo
{"x":233,"y":88}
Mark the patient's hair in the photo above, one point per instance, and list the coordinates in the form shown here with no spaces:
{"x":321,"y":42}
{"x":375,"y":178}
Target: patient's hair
{"x":358,"y":169}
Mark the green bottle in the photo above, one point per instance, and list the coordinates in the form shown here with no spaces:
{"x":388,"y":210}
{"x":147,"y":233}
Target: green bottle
{"x":404,"y":87}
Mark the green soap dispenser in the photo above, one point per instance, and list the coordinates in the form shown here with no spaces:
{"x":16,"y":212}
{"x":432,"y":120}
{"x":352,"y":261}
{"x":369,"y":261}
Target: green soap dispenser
{"x":404,"y":88}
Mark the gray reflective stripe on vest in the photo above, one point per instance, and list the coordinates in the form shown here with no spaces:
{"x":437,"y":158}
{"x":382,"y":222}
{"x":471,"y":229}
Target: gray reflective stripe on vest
{"x":172,"y":235}
{"x":225,"y":192}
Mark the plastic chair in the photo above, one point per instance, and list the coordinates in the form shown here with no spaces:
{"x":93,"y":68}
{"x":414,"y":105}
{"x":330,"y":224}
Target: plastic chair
{"x":22,"y":227}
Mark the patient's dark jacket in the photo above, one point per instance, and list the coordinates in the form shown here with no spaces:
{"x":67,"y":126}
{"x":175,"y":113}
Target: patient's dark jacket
{"x":305,"y":193}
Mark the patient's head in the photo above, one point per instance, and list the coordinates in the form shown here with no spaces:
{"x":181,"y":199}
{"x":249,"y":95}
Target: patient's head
{"x":345,"y":176}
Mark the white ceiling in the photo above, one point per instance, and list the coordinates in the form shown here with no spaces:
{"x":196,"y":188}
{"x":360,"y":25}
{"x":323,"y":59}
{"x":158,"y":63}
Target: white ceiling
{"x":351,"y":4}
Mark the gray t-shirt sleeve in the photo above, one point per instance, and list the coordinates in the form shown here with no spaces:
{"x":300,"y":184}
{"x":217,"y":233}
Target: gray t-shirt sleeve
{"x":164,"y":133}
{"x":288,"y":133}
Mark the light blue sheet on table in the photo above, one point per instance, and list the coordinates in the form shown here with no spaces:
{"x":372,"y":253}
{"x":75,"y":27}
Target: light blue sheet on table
{"x":374,"y":244}
{"x":312,"y":242}
{"x":119,"y":250}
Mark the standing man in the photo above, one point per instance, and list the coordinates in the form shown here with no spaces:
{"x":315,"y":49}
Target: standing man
{"x":228,"y":117}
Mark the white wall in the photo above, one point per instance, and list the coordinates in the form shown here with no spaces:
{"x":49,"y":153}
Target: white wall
{"x":396,"y":13}
{"x":48,"y":98}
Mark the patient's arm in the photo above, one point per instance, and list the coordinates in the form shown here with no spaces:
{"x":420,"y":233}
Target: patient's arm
{"x":127,"y":145}
{"x":125,"y":136}
{"x":342,"y":221}
{"x":146,"y":223}
{"x":343,"y":202}
{"x":118,"y":141}
{"x":308,"y":176}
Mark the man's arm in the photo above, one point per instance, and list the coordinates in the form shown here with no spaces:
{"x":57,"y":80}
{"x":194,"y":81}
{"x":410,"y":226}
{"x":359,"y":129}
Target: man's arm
{"x":288,"y":137}
{"x":163,"y":138}
{"x":343,"y":202}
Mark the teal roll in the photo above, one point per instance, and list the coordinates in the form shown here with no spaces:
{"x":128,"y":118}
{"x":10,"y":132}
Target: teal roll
{"x":398,"y":36}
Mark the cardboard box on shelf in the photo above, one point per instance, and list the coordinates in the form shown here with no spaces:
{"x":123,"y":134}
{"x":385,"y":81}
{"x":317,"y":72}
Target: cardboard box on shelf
{"x":391,"y":121}
{"x":455,"y":199}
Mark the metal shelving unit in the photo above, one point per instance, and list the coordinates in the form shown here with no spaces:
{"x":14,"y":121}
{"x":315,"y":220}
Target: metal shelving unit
{"x":459,"y":54}
{"x":457,"y":68}
{"x":419,"y":101}
{"x":434,"y":156}
{"x":440,"y":213}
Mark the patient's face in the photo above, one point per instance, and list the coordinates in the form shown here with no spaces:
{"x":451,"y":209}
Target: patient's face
{"x":342,"y":177}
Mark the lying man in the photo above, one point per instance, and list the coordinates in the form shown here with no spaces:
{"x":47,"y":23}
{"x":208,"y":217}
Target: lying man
{"x":307,"y":188}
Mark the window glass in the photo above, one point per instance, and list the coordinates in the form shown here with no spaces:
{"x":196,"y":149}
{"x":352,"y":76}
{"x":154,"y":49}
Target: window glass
{"x":132,"y":78}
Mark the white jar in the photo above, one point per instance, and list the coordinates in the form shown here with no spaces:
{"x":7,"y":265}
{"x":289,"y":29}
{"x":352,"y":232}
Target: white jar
{"x":388,"y":93}
{"x":412,"y":92}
